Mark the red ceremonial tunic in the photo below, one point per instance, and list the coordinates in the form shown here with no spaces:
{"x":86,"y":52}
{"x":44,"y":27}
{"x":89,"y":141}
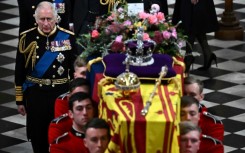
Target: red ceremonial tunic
{"x":211,"y":126}
{"x":70,"y":142}
{"x":210,"y":145}
{"x":58,"y":126}
{"x":61,"y":105}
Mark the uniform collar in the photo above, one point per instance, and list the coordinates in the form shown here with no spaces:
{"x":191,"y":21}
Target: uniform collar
{"x":51,"y":33}
{"x":78,"y":134}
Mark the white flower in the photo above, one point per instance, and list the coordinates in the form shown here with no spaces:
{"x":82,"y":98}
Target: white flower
{"x":154,"y":8}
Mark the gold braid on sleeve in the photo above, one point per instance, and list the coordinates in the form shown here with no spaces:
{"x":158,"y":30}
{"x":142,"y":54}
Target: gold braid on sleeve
{"x":29,"y":51}
{"x":110,"y":3}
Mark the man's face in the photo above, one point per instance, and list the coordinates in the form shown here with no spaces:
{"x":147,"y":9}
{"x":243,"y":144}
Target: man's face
{"x":96,"y":140}
{"x":46,"y":20}
{"x":82,"y":113}
{"x":80,"y":72}
{"x":189,"y":143}
{"x":190,"y":113}
{"x":193,"y":91}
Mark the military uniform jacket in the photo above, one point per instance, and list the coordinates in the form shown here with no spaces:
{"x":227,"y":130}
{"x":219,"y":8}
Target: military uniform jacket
{"x":61,"y":105}
{"x":210,"y":145}
{"x":211,"y":126}
{"x":44,"y":57}
{"x":58,"y":126}
{"x":27,"y":9}
{"x":202,"y":108}
{"x":70,"y":142}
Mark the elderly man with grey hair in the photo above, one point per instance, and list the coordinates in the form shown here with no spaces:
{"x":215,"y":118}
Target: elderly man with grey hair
{"x":44,"y":65}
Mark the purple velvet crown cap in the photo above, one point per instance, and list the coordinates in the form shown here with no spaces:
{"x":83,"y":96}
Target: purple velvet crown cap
{"x":132,"y":45}
{"x":114,"y":66}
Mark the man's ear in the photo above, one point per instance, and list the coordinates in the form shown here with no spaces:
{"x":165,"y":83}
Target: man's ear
{"x":35,"y":17}
{"x":58,"y":19}
{"x":201,"y":96}
{"x":70,"y":114}
{"x":85,"y":142}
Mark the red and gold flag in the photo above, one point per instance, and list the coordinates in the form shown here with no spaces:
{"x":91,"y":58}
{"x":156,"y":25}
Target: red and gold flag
{"x":157,"y":132}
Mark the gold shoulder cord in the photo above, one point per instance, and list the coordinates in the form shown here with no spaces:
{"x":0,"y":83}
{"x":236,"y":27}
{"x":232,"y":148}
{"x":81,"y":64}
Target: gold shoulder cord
{"x":110,"y":3}
{"x":30,"y":50}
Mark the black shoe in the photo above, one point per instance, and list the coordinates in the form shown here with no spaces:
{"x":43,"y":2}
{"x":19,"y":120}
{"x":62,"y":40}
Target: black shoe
{"x":188,"y":60}
{"x":212,"y":58}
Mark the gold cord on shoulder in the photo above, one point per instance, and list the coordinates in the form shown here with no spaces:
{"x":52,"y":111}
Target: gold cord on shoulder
{"x":29,"y":51}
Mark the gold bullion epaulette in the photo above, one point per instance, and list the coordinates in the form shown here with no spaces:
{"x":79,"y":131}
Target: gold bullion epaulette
{"x":59,"y":138}
{"x":27,"y":30}
{"x":211,"y":116}
{"x":62,"y":96}
{"x":67,"y":31}
{"x":60,"y":118}
{"x":214,"y":140}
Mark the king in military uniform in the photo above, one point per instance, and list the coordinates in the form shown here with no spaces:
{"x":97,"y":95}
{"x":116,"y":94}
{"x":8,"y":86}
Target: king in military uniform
{"x":44,"y":65}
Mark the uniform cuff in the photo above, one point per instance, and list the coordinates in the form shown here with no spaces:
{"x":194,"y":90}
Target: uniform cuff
{"x":18,"y":94}
{"x":19,"y":103}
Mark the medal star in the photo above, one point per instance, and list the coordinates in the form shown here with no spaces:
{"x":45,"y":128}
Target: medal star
{"x":60,"y":58}
{"x":60,"y":70}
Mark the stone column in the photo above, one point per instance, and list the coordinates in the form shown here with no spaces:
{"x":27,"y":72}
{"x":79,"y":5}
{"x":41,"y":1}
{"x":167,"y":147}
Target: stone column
{"x":230,"y":28}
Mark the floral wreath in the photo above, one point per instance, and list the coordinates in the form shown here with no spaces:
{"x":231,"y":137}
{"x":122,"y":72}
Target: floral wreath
{"x":110,"y":31}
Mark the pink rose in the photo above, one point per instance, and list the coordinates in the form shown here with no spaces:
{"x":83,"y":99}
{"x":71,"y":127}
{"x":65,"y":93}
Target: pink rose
{"x":166,"y":35}
{"x":119,"y":38}
{"x":143,"y":15}
{"x":146,"y":36}
{"x":160,"y":17}
{"x":110,"y":18}
{"x":127,"y":23}
{"x":174,"y":33}
{"x":95,"y":34}
{"x":152,"y":19}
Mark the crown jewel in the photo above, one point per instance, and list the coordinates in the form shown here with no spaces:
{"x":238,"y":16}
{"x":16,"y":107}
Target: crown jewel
{"x":127,"y":81}
{"x":139,"y":52}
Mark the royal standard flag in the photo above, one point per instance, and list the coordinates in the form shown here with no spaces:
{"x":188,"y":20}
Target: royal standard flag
{"x":157,"y":132}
